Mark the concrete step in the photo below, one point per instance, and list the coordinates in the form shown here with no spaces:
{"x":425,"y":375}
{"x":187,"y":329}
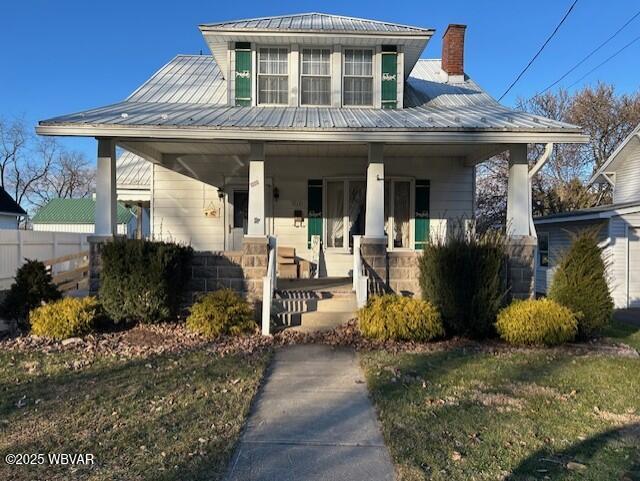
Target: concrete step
{"x":322,"y":321}
{"x":337,"y":304}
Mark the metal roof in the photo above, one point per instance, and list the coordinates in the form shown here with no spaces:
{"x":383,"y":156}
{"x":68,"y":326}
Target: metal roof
{"x":316,"y":22}
{"x":600,"y":211}
{"x":177,"y":96}
{"x":74,"y":211}
{"x":8,"y":205}
{"x":132,"y":171}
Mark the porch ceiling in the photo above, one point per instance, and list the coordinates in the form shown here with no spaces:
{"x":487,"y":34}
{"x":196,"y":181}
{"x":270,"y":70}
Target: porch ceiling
{"x":159,"y":151}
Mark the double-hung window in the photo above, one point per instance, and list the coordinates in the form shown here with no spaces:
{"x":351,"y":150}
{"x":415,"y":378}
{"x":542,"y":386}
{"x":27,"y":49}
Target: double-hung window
{"x":315,"y":77}
{"x":358,"y":77}
{"x":273,"y":76}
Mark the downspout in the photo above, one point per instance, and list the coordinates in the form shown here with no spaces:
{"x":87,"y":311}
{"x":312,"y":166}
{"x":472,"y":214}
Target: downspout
{"x":534,"y":170}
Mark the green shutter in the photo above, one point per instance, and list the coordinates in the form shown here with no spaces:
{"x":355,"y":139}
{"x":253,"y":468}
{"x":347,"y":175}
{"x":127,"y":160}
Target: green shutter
{"x":314,"y":206}
{"x":243,"y":75}
{"x":389,"y":80}
{"x":422,"y":213}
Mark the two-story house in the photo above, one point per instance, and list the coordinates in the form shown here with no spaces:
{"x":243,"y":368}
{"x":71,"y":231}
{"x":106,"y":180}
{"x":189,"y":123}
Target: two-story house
{"x":312,"y":129}
{"x":617,"y":225}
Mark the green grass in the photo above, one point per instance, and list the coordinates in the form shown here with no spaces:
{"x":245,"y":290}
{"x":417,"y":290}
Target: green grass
{"x":463,"y":415}
{"x":168,"y":417}
{"x":622,"y":332}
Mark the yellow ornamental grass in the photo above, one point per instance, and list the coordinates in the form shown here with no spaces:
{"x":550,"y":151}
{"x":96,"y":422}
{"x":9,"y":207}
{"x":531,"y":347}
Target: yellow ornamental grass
{"x":392,"y":317}
{"x":537,"y":322}
{"x":68,"y":317}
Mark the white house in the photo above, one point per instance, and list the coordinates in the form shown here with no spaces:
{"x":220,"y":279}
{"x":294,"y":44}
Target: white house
{"x":312,"y":129}
{"x":10,"y":211}
{"x":618,"y":226}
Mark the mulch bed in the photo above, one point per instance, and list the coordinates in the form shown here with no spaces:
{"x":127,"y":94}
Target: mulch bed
{"x":167,"y":338}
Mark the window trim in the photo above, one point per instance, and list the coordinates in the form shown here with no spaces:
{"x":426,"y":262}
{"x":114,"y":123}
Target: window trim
{"x":258,"y":74}
{"x":372,"y":77}
{"x":540,"y":251}
{"x":301,"y":76}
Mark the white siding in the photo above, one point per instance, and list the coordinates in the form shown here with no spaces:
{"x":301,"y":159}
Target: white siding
{"x":178,"y":200}
{"x":627,"y":180}
{"x":77,"y":228}
{"x":560,"y":237}
{"x":619,"y":248}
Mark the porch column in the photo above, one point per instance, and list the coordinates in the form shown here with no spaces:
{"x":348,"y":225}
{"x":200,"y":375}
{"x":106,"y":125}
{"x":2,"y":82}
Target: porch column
{"x":373,"y":246}
{"x":521,"y":244}
{"x":106,"y":226}
{"x":518,"y":192}
{"x":256,"y":227}
{"x":374,"y":221}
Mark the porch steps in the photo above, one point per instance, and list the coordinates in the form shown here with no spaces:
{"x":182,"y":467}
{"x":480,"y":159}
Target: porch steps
{"x":314,"y":304}
{"x":338,"y":264}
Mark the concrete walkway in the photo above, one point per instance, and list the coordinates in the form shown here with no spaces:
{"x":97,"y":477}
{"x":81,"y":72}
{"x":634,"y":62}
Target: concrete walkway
{"x":312,"y":421}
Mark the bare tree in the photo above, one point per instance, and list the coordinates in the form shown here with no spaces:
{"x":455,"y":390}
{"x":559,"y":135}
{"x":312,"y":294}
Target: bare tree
{"x":562,"y":184}
{"x":34,"y":170}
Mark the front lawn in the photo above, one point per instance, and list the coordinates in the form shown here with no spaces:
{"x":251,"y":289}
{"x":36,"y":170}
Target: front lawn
{"x":464,"y":414}
{"x":626,"y":333}
{"x":160,"y":417}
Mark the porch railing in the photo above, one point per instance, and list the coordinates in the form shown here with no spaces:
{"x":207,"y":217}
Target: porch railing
{"x":269,"y":287}
{"x":360,"y":278}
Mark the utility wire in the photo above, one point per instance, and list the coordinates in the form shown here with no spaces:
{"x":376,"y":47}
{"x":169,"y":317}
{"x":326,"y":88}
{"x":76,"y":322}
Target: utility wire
{"x":605,"y":61}
{"x":593,"y":52}
{"x":539,"y":51}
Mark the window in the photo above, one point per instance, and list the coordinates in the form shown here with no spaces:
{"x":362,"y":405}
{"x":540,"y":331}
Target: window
{"x":315,"y":77}
{"x":273,"y":76}
{"x":358,"y":77}
{"x":543,"y":249}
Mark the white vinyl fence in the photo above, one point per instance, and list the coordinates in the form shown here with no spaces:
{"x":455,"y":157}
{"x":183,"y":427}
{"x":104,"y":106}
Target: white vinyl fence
{"x":18,"y":245}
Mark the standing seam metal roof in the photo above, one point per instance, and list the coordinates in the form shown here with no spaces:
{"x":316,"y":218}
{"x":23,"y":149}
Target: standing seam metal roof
{"x":75,"y":211}
{"x":189,"y":91}
{"x":316,"y":22}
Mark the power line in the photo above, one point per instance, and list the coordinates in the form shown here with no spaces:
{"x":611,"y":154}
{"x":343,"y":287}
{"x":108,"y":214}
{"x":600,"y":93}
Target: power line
{"x":605,"y":61}
{"x":594,"y":51}
{"x":539,"y":51}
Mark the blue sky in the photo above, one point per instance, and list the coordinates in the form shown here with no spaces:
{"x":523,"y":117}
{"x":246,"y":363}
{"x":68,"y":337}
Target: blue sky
{"x":68,"y":55}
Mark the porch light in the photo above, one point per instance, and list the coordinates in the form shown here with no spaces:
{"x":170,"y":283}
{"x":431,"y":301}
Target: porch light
{"x":220,"y":194}
{"x":276,"y":193}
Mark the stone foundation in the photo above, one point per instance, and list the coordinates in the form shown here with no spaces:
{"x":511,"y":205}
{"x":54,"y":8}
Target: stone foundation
{"x":521,"y":253}
{"x":374,"y":257}
{"x":404,"y":273}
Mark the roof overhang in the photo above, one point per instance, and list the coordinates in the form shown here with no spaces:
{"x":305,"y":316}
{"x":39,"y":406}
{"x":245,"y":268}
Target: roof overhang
{"x":440,"y":136}
{"x":412,"y":43}
{"x":605,"y":214}
{"x":619,"y":156}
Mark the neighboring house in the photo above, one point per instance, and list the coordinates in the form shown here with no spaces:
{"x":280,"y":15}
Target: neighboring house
{"x":78,"y":215}
{"x":133,"y":188}
{"x":10,"y":211}
{"x":617,"y":224}
{"x":316,"y":127}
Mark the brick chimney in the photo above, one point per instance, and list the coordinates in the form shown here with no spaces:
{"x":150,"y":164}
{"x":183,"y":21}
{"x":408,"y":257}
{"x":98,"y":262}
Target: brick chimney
{"x":453,"y":50}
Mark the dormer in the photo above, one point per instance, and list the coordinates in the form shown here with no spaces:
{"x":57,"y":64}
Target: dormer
{"x":315,"y":60}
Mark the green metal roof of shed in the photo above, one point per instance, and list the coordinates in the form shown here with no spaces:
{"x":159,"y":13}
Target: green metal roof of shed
{"x":74,"y":211}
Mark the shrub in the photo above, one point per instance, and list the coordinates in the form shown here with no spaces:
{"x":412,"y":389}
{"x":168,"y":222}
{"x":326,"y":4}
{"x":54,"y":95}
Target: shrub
{"x":143,"y":280}
{"x":222,"y":312}
{"x":68,"y":317}
{"x":392,"y":317}
{"x":462,"y":276}
{"x":540,"y":321}
{"x":580,"y":284}
{"x":32,"y":287}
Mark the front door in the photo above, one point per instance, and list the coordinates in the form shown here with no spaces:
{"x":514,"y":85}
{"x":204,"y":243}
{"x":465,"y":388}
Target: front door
{"x":240,"y":217}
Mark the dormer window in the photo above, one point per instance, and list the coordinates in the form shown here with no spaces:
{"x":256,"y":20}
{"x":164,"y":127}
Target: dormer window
{"x":358,"y":77}
{"x":315,"y":77}
{"x":273,"y":76}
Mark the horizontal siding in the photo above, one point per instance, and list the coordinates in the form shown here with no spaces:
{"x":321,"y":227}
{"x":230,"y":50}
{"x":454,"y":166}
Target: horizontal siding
{"x":627,"y":186}
{"x":560,"y":238}
{"x":619,"y":248}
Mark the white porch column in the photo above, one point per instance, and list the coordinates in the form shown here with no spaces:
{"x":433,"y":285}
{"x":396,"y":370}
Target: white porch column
{"x":106,"y":219}
{"x":374,"y":220}
{"x":518,"y":192}
{"x":256,"y":227}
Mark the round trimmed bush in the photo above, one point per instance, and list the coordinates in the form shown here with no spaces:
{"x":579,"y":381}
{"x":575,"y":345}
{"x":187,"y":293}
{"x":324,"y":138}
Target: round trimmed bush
{"x":222,"y":312}
{"x":537,"y":322}
{"x":68,"y":317}
{"x":580,"y":283}
{"x":392,"y":317}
